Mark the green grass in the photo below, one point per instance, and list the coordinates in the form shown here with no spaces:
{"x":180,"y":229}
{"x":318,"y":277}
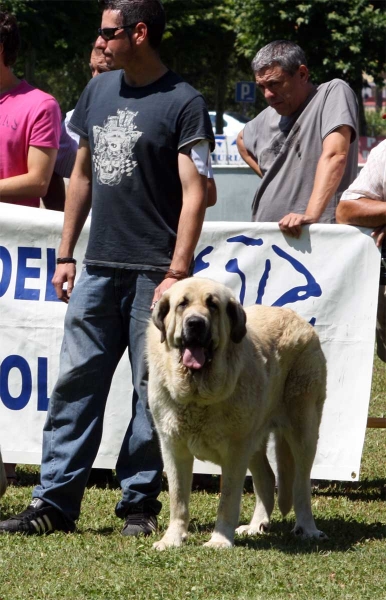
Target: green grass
{"x":97,"y":562}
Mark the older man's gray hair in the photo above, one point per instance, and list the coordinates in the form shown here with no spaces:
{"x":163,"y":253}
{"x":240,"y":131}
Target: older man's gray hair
{"x":288,"y":55}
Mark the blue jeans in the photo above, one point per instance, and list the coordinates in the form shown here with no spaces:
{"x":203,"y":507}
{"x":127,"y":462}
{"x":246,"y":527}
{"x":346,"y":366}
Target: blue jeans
{"x":108,"y":312}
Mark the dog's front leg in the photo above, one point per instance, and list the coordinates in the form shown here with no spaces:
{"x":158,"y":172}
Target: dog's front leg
{"x":178,"y":463}
{"x":233,"y":476}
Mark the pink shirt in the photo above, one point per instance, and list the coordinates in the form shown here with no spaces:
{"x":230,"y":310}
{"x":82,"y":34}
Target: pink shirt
{"x":28,"y":117}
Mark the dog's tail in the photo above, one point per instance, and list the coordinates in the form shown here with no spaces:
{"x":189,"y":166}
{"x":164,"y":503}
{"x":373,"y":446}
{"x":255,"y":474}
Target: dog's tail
{"x":285,"y":473}
{"x":3,"y":478}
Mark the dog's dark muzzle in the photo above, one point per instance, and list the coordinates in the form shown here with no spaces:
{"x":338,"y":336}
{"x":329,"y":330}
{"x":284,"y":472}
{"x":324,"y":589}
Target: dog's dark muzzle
{"x":196,"y":342}
{"x":196,"y":330}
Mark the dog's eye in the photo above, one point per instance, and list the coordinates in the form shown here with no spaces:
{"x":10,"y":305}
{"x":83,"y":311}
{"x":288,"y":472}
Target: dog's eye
{"x":183,"y":304}
{"x":211,"y":304}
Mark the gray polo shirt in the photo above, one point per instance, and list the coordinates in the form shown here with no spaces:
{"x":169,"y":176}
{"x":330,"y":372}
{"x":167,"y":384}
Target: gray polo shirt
{"x":287,"y":150}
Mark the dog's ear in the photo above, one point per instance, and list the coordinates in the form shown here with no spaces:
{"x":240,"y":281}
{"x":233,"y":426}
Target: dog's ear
{"x":238,"y":319}
{"x":159,"y":313}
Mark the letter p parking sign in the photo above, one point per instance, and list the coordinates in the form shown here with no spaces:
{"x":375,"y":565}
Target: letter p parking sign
{"x":245,"y":91}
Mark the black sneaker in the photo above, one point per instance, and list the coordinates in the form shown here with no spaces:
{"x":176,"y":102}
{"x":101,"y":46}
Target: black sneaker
{"x":139,"y":523}
{"x":38,"y":518}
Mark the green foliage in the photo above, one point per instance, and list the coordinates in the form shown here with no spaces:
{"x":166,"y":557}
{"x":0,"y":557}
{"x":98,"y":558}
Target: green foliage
{"x":341,"y":38}
{"x":67,"y":83}
{"x":55,"y":29}
{"x":209,"y":42}
{"x":57,"y":37}
{"x":200,"y":45}
{"x":376,"y":126}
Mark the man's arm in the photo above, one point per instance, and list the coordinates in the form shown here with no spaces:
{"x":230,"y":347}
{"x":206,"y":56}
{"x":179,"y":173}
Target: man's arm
{"x":364,"y":212}
{"x":247,"y":156}
{"x":34,"y":183}
{"x":329,"y":172}
{"x":194,"y":201}
{"x":77,"y":207}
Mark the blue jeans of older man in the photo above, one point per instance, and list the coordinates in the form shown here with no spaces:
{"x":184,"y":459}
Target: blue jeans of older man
{"x":108,"y":312}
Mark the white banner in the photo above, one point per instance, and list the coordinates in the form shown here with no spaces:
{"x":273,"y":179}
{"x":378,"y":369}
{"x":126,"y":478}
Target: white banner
{"x":226,"y":151}
{"x":329,"y":276}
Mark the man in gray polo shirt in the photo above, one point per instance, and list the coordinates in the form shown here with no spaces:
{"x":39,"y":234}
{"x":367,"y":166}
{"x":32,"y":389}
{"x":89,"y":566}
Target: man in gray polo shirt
{"x":304,"y":145}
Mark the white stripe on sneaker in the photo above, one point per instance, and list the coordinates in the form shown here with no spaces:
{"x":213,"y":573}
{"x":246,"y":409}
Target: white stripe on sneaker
{"x":48,"y":523}
{"x":42,"y":524}
{"x":36,"y":525}
{"x":152,"y":524}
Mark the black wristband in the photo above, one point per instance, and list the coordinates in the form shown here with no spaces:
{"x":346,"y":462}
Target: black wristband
{"x":63,"y":261}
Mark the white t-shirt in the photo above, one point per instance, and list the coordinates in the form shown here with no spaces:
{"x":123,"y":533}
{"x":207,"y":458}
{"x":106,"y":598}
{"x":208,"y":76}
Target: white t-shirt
{"x":371,"y":181}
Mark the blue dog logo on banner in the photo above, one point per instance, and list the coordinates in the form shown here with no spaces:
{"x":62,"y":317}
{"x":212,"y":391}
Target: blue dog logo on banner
{"x":311,"y":288}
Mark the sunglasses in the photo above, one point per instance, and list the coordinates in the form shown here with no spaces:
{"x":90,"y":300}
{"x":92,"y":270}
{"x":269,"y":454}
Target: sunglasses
{"x":108,"y":33}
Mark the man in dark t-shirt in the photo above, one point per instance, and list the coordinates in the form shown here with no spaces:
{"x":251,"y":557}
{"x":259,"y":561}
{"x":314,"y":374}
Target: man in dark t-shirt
{"x":142,"y":165}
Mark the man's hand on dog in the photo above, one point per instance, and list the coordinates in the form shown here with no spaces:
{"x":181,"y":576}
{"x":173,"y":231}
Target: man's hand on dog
{"x":163,"y":287}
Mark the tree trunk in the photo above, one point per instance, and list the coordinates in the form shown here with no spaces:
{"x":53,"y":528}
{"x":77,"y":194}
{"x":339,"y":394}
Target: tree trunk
{"x":222,"y":69}
{"x":30,"y":66}
{"x":220,"y":98}
{"x":361,"y":111}
{"x":378,"y":98}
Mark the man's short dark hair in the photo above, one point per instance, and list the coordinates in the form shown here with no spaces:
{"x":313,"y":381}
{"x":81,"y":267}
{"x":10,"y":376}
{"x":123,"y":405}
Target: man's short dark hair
{"x":9,"y":37}
{"x":288,"y":55}
{"x":150,"y":12}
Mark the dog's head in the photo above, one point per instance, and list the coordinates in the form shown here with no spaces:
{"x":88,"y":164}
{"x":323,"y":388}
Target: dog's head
{"x":198,"y":316}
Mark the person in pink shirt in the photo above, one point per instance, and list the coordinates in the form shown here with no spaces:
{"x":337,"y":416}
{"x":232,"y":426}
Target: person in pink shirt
{"x":29,"y":135}
{"x":29,"y":128}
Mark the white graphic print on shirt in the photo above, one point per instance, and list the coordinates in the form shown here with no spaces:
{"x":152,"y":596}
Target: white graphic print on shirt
{"x":113,"y":147}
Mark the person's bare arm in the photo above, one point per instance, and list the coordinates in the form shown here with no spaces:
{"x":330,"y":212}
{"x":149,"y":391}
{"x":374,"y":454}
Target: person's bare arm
{"x":247,"y":156}
{"x":194,"y":202}
{"x":34,"y":183}
{"x":77,"y":207}
{"x":329,"y":172}
{"x":364,"y":212}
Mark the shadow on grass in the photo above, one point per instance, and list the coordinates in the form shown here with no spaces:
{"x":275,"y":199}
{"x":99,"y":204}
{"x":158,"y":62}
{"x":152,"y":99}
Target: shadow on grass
{"x":343,"y":535}
{"x":367,"y":490}
{"x":97,"y":531}
{"x":29,"y":475}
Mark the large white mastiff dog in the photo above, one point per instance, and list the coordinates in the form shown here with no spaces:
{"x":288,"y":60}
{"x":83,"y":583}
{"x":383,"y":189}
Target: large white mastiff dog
{"x":220,"y":380}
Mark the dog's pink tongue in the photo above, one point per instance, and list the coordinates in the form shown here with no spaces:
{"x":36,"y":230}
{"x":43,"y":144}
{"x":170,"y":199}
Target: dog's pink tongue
{"x":194,"y":357}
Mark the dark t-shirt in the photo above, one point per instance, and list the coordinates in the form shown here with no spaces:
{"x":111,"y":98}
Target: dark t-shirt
{"x":135,"y":134}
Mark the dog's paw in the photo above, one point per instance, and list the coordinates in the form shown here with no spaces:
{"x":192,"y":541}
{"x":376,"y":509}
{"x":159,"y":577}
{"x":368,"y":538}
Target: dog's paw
{"x":218,"y":544}
{"x":165,"y":544}
{"x":170,"y":542}
{"x":161,"y":545}
{"x":315,"y":534}
{"x":250,"y":529}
